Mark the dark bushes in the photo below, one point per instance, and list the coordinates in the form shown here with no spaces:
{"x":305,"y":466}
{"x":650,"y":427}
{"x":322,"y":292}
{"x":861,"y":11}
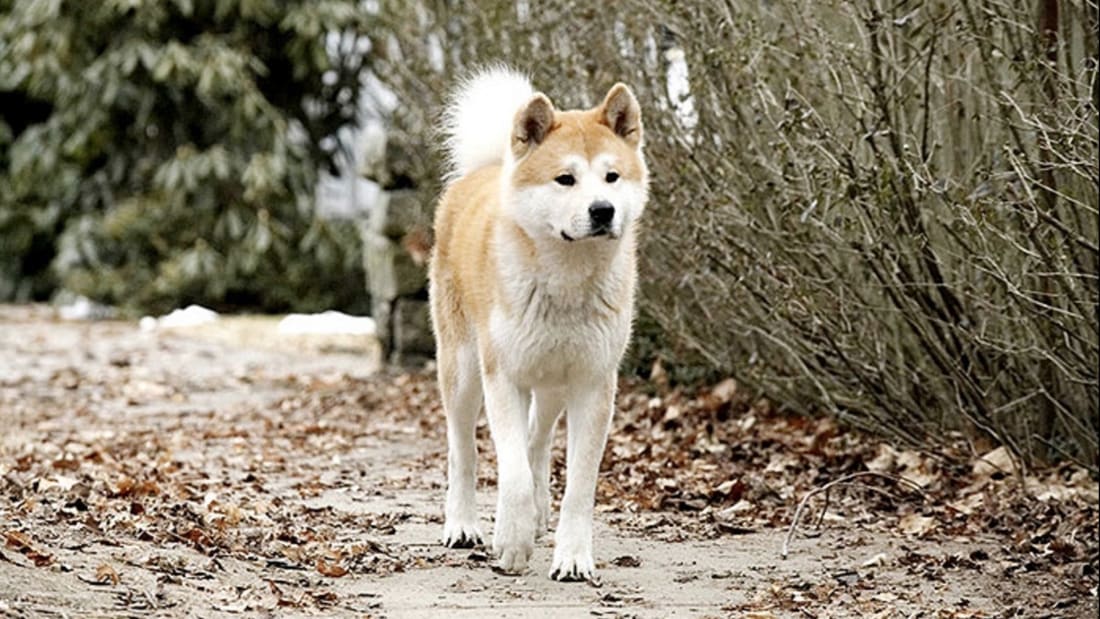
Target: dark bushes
{"x":162,"y":153}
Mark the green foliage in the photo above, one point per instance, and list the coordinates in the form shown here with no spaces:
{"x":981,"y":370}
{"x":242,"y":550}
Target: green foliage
{"x":173,"y":148}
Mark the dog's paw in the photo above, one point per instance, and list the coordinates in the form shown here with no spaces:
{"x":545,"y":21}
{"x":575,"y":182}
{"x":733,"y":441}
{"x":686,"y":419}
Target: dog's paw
{"x":573,"y":552}
{"x":514,"y":536}
{"x":513,"y":560}
{"x":570,"y":567}
{"x":457,"y":534}
{"x":513,"y":547}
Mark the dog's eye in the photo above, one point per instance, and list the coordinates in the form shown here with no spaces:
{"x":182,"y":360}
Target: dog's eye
{"x":611,"y":177}
{"x":565,"y":180}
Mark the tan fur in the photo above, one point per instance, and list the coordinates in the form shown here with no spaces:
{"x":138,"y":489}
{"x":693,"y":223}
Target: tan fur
{"x":532,"y":298}
{"x":576,"y":132}
{"x":469,"y":210}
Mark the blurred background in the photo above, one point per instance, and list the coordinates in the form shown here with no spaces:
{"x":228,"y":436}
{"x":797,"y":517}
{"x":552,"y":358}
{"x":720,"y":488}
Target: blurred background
{"x":882,"y":211}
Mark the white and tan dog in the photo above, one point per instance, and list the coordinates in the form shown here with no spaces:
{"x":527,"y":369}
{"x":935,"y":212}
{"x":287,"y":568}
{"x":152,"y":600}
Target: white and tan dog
{"x":532,"y":296}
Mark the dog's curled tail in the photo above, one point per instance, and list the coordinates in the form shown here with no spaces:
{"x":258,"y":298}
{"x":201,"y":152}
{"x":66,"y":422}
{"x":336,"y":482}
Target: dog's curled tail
{"x":478,"y":118}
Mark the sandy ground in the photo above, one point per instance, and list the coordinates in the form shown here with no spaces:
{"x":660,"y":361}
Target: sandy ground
{"x":180,"y":474}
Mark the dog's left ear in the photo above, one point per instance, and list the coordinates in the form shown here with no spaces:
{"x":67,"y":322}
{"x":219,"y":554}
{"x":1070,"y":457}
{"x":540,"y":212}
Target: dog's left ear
{"x":620,"y":111}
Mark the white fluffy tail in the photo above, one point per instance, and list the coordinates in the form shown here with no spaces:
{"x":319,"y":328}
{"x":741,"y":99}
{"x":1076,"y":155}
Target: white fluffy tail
{"x":478,"y":119}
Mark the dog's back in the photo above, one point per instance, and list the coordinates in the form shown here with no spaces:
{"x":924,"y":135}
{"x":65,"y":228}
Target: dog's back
{"x":478,"y":128}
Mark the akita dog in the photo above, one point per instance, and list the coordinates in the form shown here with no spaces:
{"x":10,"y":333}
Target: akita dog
{"x":532,"y":299}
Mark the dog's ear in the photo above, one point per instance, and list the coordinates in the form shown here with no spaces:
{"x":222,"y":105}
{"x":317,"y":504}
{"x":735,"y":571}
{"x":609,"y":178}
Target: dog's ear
{"x":620,"y":111}
{"x":533,"y":121}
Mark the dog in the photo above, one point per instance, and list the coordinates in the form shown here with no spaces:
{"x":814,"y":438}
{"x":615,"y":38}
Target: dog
{"x":532,"y":285}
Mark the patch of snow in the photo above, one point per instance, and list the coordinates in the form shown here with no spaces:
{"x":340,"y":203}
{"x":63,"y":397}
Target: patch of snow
{"x":330,"y":322}
{"x":190,"y":316}
{"x":83,"y":308}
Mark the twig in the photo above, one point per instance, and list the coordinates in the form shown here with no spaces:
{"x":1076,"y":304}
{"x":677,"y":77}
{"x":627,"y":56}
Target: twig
{"x":824,"y":509}
{"x":841,"y":480}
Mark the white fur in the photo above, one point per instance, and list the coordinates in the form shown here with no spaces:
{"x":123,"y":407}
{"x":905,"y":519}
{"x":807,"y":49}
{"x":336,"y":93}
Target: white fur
{"x":560,"y":354}
{"x":557,"y":350}
{"x":573,"y":324}
{"x":463,"y":403}
{"x":548,"y":210}
{"x":478,"y":120}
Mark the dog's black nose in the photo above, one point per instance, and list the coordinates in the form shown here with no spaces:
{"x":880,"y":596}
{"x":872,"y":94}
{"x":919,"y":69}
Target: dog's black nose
{"x":601,"y":213}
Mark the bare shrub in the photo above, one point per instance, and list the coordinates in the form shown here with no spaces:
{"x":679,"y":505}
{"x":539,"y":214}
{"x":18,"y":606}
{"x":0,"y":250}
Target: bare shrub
{"x":885,"y":211}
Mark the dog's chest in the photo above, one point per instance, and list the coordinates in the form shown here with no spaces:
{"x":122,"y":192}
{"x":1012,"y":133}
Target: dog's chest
{"x":556,"y":337}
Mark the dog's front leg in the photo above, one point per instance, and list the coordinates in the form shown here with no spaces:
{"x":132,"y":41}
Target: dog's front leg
{"x":544,"y":415}
{"x":588,"y":415}
{"x":514,"y":530}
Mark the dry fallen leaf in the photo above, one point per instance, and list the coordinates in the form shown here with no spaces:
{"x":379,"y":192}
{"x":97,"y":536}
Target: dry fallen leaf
{"x":916,"y":525}
{"x":733,"y":489}
{"x":916,"y":468}
{"x":105,"y":573}
{"x":333,"y":570}
{"x":724,"y":391}
{"x":997,"y":461}
{"x":967,"y":505}
{"x":876,"y":560}
{"x":21,"y":543}
{"x":884,"y":459}
{"x":16,"y":540}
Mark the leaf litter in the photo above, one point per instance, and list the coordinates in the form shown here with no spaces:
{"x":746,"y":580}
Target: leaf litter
{"x":246,"y":481}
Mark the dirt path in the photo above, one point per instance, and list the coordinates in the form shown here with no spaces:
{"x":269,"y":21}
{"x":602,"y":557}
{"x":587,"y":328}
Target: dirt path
{"x":171,"y":475}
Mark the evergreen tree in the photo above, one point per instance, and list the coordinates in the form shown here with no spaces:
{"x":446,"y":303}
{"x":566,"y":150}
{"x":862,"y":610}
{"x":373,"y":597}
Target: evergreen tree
{"x":155,"y":153}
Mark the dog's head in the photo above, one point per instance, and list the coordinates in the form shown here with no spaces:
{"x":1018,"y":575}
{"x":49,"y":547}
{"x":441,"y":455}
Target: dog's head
{"x":578,"y":174}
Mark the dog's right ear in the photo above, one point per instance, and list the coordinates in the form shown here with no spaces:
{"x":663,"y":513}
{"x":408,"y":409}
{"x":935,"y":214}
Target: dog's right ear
{"x":533,"y":122}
